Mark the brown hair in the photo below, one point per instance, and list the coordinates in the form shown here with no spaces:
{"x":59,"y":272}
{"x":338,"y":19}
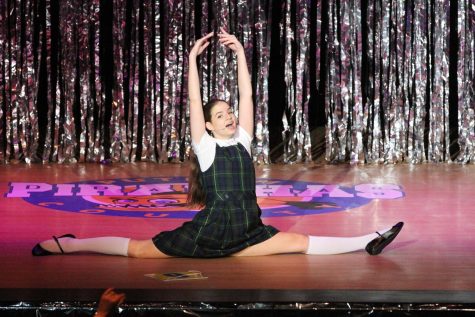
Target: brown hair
{"x":196,"y":192}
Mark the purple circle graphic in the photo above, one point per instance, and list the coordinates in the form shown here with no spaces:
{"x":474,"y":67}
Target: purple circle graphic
{"x":165,"y":197}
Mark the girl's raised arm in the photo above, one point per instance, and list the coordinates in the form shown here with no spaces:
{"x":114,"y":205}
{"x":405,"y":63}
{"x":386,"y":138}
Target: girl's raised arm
{"x":197,"y":121}
{"x":246,"y":106}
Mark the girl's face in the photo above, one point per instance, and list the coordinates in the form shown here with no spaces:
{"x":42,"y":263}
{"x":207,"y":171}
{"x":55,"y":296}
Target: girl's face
{"x":223,"y":121}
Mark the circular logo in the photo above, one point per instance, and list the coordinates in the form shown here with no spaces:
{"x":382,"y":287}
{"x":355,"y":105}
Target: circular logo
{"x":165,"y":197}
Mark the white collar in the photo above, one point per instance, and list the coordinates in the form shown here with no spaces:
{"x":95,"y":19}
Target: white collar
{"x":227,"y":142}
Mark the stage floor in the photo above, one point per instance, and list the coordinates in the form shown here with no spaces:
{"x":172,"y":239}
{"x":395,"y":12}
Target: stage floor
{"x":431,"y":261}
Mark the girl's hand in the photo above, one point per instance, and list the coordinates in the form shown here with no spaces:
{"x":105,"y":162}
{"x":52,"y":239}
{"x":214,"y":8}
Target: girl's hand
{"x":230,"y":41}
{"x":200,"y":45}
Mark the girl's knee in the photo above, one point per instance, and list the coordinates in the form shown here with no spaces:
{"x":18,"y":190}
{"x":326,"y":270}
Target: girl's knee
{"x":295,"y":242}
{"x":139,"y":249}
{"x":134,"y":249}
{"x":144,"y":249}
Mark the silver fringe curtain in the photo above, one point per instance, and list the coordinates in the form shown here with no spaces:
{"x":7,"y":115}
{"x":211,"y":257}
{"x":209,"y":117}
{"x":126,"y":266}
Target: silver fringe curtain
{"x":350,"y":81}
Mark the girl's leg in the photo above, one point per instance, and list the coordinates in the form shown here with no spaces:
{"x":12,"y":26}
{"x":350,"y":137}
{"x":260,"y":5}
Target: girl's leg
{"x":285,"y":242}
{"x":104,"y":245}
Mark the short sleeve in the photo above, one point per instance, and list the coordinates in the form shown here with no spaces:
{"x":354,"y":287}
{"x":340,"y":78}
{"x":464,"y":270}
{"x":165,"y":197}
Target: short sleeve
{"x":244,"y":138}
{"x":205,"y":151}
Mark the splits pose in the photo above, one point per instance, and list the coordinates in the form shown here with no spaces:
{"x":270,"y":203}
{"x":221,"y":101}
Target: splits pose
{"x":229,"y":223}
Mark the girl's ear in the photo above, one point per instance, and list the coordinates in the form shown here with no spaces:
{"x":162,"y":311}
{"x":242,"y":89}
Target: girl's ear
{"x":209,"y":126}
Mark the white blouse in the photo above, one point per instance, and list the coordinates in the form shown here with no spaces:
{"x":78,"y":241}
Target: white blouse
{"x":205,"y":150}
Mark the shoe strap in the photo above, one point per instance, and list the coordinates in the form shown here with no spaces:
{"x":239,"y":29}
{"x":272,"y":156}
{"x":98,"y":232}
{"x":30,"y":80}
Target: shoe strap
{"x":59,"y":245}
{"x":379,"y":234}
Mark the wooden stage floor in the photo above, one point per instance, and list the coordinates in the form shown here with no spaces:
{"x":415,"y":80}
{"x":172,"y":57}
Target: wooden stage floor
{"x":431,"y":261}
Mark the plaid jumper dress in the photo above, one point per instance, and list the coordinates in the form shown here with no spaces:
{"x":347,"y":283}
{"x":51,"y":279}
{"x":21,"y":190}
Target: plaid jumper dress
{"x":231,"y":221}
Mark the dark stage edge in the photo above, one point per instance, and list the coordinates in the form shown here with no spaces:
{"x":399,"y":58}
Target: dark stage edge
{"x":244,"y":295}
{"x":160,"y":302}
{"x":69,"y":309}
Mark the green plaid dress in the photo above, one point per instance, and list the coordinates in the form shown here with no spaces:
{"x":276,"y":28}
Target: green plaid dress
{"x":231,"y":221}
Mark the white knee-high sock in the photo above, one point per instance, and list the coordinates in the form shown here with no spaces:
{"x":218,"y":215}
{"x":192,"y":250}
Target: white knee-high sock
{"x":104,"y":245}
{"x":337,"y":245}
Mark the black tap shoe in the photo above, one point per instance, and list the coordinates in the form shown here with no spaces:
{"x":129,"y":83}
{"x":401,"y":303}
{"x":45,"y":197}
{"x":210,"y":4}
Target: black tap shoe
{"x":378,"y":244}
{"x":38,"y":250}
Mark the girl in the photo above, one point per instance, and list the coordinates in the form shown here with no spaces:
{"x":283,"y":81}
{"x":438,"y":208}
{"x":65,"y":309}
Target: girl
{"x":229,"y":223}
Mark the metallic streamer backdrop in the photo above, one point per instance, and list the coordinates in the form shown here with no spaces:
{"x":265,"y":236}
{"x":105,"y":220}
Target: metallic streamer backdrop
{"x":387,"y":81}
